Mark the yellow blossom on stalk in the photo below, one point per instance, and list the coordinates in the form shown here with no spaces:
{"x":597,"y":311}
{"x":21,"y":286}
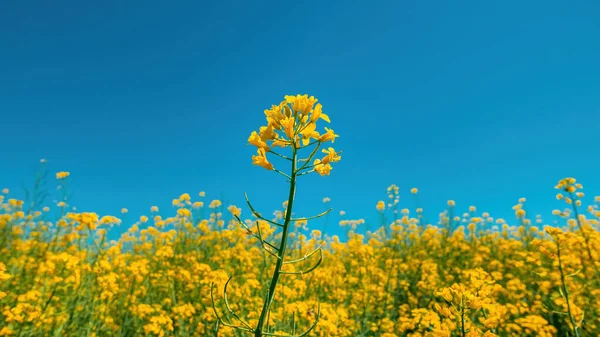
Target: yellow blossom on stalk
{"x":261,"y":159}
{"x":322,"y":169}
{"x":380,"y":206}
{"x":451,"y":203}
{"x":257,"y":141}
{"x":62,"y":175}
{"x":301,"y":103}
{"x":234,"y":210}
{"x":309,"y":132}
{"x":124,"y":210}
{"x":267,"y":133}
{"x":329,"y":135}
{"x":293,"y":123}
{"x":288,"y":124}
{"x":5,"y":190}
{"x":331,"y":156}
{"x":414,"y":190}
{"x":318,"y":114}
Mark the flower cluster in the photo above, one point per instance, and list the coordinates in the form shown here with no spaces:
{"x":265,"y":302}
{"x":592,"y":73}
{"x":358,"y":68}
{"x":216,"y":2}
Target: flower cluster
{"x":293,"y":123}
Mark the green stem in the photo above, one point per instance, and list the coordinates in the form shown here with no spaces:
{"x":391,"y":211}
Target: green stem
{"x":585,"y":237}
{"x":281,"y":251}
{"x":565,"y":290}
{"x":462,"y":318}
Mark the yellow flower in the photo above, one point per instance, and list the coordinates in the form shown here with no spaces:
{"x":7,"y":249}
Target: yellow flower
{"x":322,"y":169}
{"x":275,"y":115}
{"x":257,"y":141}
{"x":288,"y":124}
{"x":267,"y":133}
{"x":329,"y":135}
{"x":414,"y":190}
{"x":124,"y":210}
{"x":331,"y":156}
{"x":451,"y":203}
{"x":308,"y":133}
{"x":62,"y":175}
{"x":380,"y":206}
{"x":301,"y":103}
{"x":261,"y":159}
{"x":318,"y":113}
{"x":234,"y":210}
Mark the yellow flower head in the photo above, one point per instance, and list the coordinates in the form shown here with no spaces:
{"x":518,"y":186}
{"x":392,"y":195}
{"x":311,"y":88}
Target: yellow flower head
{"x":301,"y":103}
{"x":321,"y":168}
{"x":257,"y":141}
{"x":261,"y":159}
{"x":293,"y":123}
{"x":331,"y":156}
{"x":318,"y":114}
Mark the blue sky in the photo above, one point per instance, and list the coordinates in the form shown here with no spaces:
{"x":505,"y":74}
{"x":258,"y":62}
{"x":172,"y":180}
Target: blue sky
{"x":480,"y":102}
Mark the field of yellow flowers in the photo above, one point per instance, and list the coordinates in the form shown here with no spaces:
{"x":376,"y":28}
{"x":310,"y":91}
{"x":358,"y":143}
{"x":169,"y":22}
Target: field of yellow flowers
{"x":228,"y":274}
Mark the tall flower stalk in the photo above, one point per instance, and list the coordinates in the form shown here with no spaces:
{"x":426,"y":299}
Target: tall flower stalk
{"x":290,"y":125}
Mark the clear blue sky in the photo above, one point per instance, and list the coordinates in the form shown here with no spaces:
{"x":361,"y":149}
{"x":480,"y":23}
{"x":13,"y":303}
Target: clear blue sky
{"x":482,"y":102}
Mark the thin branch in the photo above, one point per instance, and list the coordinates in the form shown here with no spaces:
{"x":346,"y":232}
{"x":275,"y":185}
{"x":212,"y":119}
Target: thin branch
{"x":306,"y":256}
{"x":306,"y":172}
{"x":280,"y":155}
{"x":219,"y":319}
{"x":258,"y":215}
{"x":229,"y":308}
{"x":313,"y":217}
{"x":306,"y":271}
{"x":305,"y":333}
{"x":259,"y":235}
{"x":283,"y":174}
{"x":310,"y":157}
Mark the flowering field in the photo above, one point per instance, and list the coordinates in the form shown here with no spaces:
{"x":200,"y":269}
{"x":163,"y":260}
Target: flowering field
{"x":210,"y":269}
